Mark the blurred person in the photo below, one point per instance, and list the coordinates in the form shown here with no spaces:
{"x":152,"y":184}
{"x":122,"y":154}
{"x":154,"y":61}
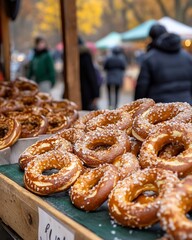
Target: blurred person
{"x":41,"y":68}
{"x":166,"y":71}
{"x":155,"y":32}
{"x":93,"y":50}
{"x":88,"y":79}
{"x":114,"y":66}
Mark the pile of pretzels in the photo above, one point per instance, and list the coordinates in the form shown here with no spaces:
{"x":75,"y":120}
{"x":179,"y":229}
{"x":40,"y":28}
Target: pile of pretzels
{"x":137,"y":157}
{"x":25,"y":112}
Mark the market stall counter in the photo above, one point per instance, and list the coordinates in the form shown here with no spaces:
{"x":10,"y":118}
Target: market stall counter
{"x":24,"y":212}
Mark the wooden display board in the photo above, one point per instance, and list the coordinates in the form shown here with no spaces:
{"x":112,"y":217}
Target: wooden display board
{"x":19,"y":210}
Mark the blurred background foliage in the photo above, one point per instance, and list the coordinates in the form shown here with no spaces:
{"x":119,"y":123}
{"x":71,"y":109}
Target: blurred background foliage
{"x":96,"y":18}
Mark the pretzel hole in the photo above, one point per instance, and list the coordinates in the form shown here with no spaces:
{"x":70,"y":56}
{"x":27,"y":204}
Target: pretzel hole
{"x":171,"y":149}
{"x":29,"y":125}
{"x":146,"y":197}
{"x":3,"y":131}
{"x":147,"y":191}
{"x":49,"y":172}
{"x":94,"y":182}
{"x":100,"y":146}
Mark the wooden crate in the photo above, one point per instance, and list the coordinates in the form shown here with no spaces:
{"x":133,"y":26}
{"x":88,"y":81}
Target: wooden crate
{"x":19,"y":210}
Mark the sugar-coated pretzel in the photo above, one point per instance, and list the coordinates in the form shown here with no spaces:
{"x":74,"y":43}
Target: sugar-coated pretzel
{"x":44,"y":97}
{"x":71,"y":114}
{"x":29,"y":101}
{"x":32,"y":125}
{"x":56,"y":122}
{"x":121,"y":203}
{"x":69,"y":168}
{"x":59,"y":105}
{"x":26,"y":87}
{"x":155,"y":116}
{"x":126,"y":164}
{"x":71,"y":134}
{"x":111,"y":119}
{"x":168,"y":133}
{"x":137,"y":107}
{"x":10,"y":131}
{"x":8,"y":91}
{"x":81,"y":122}
{"x":43,"y":146}
{"x":93,"y":187}
{"x":10,"y":105}
{"x":173,"y":209}
{"x":101,"y":146}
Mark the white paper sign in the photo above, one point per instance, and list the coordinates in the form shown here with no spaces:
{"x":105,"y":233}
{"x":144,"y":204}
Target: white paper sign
{"x":51,"y":229}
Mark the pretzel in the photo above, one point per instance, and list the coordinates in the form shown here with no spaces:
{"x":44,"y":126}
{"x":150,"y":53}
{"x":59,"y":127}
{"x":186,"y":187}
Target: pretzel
{"x":168,"y":133}
{"x":126,"y":164}
{"x":71,"y":114}
{"x":121,"y":203}
{"x":10,"y":105}
{"x":93,"y":187}
{"x":59,"y":105}
{"x":8,"y":91}
{"x":32,"y":125}
{"x":137,"y":107}
{"x":56,"y":122}
{"x":161,"y":113}
{"x":101,"y":146}
{"x":10,"y":131}
{"x":26,"y":87}
{"x":81,"y":122}
{"x":43,"y":146}
{"x":69,"y":168}
{"x":71,"y":134}
{"x":44,"y":97}
{"x":29,"y":101}
{"x":173,"y":211}
{"x":110,"y":119}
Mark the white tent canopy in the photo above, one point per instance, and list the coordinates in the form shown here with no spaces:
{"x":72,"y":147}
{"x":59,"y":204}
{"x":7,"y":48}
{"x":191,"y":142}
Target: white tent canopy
{"x":142,"y":31}
{"x":174,"y":26}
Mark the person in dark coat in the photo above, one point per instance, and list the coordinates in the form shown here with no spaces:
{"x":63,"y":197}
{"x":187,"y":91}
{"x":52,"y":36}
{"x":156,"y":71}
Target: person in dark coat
{"x":114,"y":66}
{"x":166,"y":72}
{"x":88,"y":79}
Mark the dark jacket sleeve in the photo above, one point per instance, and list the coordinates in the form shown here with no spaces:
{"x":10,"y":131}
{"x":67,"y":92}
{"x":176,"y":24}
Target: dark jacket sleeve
{"x":143,"y":81}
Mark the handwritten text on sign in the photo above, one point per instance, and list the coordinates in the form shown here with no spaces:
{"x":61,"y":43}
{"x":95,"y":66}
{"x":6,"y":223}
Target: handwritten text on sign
{"x":50,"y":229}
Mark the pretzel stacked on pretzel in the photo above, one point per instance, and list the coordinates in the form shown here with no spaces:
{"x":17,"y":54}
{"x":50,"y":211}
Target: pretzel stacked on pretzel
{"x":134,"y":157}
{"x":36,"y":113}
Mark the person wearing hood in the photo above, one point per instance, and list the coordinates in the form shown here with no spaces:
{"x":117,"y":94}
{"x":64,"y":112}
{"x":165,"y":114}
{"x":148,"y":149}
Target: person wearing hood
{"x":115,"y":67}
{"x":41,"y":68}
{"x":166,"y":71}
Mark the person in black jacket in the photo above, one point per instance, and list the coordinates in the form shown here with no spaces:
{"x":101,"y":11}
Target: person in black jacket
{"x":114,"y":66}
{"x":166,"y":72}
{"x":88,"y":79}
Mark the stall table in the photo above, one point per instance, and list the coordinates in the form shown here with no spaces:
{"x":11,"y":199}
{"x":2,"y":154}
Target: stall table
{"x":19,"y":209}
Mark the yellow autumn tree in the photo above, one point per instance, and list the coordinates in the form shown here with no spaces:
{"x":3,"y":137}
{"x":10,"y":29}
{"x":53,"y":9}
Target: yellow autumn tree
{"x":89,"y":14}
{"x":48,"y":14}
